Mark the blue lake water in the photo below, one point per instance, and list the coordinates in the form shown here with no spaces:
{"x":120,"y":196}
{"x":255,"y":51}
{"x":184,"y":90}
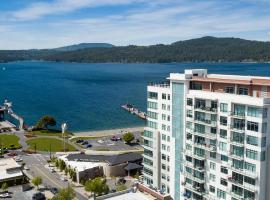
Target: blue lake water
{"x":89,"y":96}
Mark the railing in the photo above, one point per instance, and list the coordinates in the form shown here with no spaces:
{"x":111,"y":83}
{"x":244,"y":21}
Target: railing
{"x":206,"y":121}
{"x":207,"y":109}
{"x":238,"y":115}
{"x":239,"y":129}
{"x":164,"y":84}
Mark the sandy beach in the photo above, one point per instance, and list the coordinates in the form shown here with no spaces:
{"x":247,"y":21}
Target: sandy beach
{"x":109,"y":132}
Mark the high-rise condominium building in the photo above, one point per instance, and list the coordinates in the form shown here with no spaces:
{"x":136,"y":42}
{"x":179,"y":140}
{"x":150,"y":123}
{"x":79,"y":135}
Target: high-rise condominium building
{"x":207,"y":136}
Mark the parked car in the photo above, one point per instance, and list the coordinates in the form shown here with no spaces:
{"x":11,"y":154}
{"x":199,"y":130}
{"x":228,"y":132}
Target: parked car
{"x":79,"y":141}
{"x":38,"y":196}
{"x":89,"y":146}
{"x":85,"y":142}
{"x":63,"y":178}
{"x":18,"y":159}
{"x":51,"y":170}
{"x":5,"y":195}
{"x":12,"y":154}
{"x":54,"y":190}
{"x":114,"y":138}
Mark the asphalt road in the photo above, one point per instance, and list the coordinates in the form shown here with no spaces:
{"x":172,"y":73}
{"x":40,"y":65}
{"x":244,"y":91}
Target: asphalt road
{"x":37,"y":167}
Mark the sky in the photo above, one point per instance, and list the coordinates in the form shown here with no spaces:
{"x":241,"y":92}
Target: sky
{"x":28,"y":24}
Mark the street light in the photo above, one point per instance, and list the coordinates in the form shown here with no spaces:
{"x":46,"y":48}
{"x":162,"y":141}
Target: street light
{"x":64,"y":128}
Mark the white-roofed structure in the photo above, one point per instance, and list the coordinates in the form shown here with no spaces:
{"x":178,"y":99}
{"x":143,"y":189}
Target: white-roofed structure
{"x":10,"y":171}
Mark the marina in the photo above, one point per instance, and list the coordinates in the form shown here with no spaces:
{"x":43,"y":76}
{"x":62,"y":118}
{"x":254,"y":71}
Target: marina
{"x":135,"y":111}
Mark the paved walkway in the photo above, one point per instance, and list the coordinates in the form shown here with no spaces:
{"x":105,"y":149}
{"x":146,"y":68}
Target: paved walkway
{"x":104,"y":133}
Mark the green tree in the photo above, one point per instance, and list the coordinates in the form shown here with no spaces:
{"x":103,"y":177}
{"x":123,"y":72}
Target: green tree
{"x":72,"y":174}
{"x":45,"y":121}
{"x":128,"y":137}
{"x":4,"y":187}
{"x":57,"y":163}
{"x":62,"y":165}
{"x":65,"y":194}
{"x":97,"y":186}
{"x":121,"y":187}
{"x":37,"y":181}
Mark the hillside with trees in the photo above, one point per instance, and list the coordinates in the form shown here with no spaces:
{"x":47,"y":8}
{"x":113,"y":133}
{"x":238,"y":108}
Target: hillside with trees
{"x":205,"y":49}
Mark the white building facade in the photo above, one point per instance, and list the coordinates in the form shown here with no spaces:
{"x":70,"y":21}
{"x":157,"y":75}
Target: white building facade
{"x":207,"y":136}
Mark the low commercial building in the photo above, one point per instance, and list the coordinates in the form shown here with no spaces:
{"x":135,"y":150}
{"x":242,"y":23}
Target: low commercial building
{"x":10,"y":172}
{"x":90,"y":166}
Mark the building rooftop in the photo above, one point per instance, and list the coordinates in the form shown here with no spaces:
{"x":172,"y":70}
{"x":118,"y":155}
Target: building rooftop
{"x":9,"y":169}
{"x":132,"y":196}
{"x":110,"y":159}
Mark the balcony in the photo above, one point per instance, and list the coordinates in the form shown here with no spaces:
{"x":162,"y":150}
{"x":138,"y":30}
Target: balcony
{"x":207,"y":147}
{"x":238,"y":115}
{"x":237,"y":157}
{"x":240,"y":129}
{"x":206,"y":122}
{"x":206,"y":109}
{"x":192,"y":177}
{"x":165,"y":84}
{"x":198,"y":190}
{"x":237,"y":142}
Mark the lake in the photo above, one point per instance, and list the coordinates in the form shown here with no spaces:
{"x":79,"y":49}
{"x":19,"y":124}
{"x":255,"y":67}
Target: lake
{"x":89,"y":96}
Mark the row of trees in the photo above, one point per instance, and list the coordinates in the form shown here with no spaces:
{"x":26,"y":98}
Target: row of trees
{"x":61,"y":165}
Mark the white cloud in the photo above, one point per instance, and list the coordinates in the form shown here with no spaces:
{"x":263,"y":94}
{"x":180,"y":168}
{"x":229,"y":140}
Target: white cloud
{"x":40,"y":9}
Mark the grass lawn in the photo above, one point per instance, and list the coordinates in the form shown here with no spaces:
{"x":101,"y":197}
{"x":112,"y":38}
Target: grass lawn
{"x":49,"y":132}
{"x":43,"y":144}
{"x":8,"y":140}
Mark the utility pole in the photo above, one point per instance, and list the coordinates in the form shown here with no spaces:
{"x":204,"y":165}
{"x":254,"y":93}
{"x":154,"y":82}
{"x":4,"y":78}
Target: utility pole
{"x":50,"y":151}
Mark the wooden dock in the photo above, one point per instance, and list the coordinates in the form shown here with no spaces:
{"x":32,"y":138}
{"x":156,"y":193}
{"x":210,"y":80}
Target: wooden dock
{"x":130,"y":108}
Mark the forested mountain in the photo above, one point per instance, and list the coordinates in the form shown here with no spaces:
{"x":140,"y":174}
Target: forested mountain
{"x":84,"y":46}
{"x":194,"y":50}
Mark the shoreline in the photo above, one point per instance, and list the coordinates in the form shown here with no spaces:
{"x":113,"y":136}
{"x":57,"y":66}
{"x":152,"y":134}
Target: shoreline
{"x":108,"y":132}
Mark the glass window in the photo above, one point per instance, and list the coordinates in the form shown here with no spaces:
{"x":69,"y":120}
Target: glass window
{"x":243,"y":91}
{"x":212,"y":165}
{"x":229,"y":90}
{"x":223,"y":146}
{"x":189,"y":102}
{"x":252,"y":154}
{"x":224,"y":170}
{"x":152,"y":95}
{"x":263,"y":142}
{"x":221,"y":194}
{"x":212,"y":177}
{"x":169,"y":97}
{"x":264,"y":112}
{"x":195,"y":86}
{"x":255,"y":112}
{"x":152,"y":105}
{"x":212,"y":189}
{"x":238,"y":164}
{"x":224,"y":158}
{"x":163,"y":106}
{"x":148,"y":134}
{"x":252,"y":140}
{"x":199,"y":128}
{"x":223,"y":121}
{"x":223,"y":107}
{"x":148,"y":143}
{"x":249,"y":180}
{"x":213,"y":155}
{"x":223,"y":182}
{"x":151,"y":124}
{"x":239,"y":110}
{"x":163,"y":96}
{"x":223,"y":133}
{"x":250,"y":167}
{"x":152,"y":115}
{"x":252,"y":126}
{"x":264,"y":127}
{"x":189,"y":113}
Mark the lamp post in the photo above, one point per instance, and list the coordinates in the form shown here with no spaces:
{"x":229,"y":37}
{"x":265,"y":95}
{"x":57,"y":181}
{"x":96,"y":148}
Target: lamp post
{"x":64,"y":128}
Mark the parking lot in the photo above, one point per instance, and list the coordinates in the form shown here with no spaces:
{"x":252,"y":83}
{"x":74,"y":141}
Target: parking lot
{"x":17,"y":193}
{"x":109,"y":144}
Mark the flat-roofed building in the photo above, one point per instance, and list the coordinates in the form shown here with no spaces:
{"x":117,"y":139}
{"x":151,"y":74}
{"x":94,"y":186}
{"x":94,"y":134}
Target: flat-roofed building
{"x":219,"y":136}
{"x":10,"y":171}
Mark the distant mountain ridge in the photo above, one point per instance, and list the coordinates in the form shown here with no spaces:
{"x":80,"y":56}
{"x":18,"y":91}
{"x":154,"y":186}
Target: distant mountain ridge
{"x":83,"y":46}
{"x":205,"y":49}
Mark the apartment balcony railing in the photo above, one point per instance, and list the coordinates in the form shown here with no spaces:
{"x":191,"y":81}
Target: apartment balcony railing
{"x":237,"y":143}
{"x":240,"y":129}
{"x":211,"y":136}
{"x":165,"y":84}
{"x":207,"y":147}
{"x":237,"y":115}
{"x":199,"y":180}
{"x":237,"y":157}
{"x":244,"y":172}
{"x":197,"y":190}
{"x":206,"y":109}
{"x":206,"y":122}
{"x":199,"y":168}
